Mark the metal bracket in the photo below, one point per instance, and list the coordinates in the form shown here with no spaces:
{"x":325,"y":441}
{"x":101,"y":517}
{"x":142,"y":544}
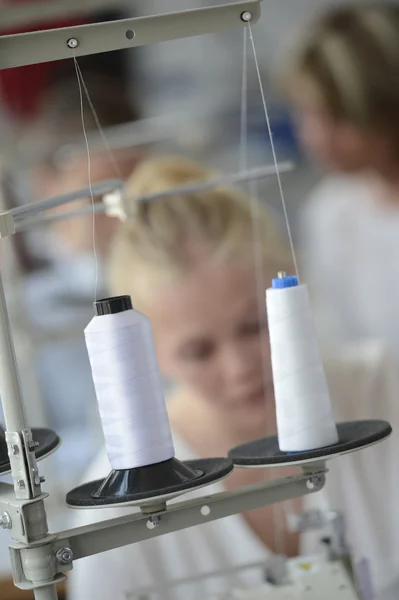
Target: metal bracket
{"x":25,"y":472}
{"x":40,"y":565}
{"x":122,"y":531}
{"x":7,"y":224}
{"x":57,"y":44}
{"x":40,"y":560}
{"x":22,"y":517}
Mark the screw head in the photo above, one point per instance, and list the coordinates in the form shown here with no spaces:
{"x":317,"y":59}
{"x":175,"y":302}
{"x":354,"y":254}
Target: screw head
{"x":64,"y":556}
{"x":153,"y":521}
{"x":14,"y":449}
{"x":246,"y":16}
{"x":38,"y":479}
{"x":5,"y":521}
{"x":314,"y":482}
{"x":72,"y":43}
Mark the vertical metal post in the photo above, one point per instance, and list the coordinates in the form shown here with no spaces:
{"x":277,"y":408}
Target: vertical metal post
{"x":10,"y":388}
{"x":46,"y":593}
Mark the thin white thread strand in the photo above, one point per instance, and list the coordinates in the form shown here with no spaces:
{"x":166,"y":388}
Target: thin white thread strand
{"x":244,"y":108}
{"x":255,"y":209}
{"x":273,"y":150}
{"x":111,"y":156}
{"x":88,"y":173}
{"x":278,"y":520}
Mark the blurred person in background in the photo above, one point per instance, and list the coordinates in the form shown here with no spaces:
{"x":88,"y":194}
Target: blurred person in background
{"x":343,"y":81}
{"x":215,"y":347}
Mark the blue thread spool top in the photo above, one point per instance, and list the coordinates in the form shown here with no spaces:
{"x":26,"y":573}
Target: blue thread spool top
{"x":284,"y":281}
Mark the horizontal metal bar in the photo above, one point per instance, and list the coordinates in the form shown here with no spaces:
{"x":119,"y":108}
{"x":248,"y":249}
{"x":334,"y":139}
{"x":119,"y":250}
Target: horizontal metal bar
{"x":50,"y":45}
{"x":27,"y":15}
{"x":116,"y":533}
{"x":251,"y":175}
{"x":40,"y":220}
{"x":98,"y":189}
{"x":232,"y":179}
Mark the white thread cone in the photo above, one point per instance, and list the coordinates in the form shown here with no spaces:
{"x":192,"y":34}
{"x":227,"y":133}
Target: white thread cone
{"x":129,"y":390}
{"x":303,"y":406}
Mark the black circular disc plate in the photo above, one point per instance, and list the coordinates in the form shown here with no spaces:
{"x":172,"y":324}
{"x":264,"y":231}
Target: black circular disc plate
{"x":352,"y":435}
{"x":210,"y":470}
{"x":48,"y":442}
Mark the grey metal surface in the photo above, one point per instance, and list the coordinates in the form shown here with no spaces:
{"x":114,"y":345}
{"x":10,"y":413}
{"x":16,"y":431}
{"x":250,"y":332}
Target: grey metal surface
{"x":115,"y":533}
{"x":42,"y":46}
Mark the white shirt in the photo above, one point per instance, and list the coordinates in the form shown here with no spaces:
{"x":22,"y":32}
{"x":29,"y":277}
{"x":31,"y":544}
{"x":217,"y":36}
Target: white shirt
{"x":364,"y":384}
{"x":350,"y":251}
{"x":365,"y":485}
{"x":216,"y":545}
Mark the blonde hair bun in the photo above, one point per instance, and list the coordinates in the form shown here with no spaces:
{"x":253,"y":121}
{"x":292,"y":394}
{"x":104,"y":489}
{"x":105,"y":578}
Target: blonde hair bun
{"x":165,"y":237}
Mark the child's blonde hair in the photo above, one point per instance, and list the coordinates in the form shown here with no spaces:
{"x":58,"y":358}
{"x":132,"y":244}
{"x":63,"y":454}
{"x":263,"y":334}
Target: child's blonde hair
{"x":351,"y":57}
{"x":161,"y":238}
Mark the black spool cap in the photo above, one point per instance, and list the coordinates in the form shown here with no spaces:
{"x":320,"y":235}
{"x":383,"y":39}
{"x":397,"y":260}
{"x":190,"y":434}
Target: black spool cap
{"x":143,"y":484}
{"x":146,"y":480}
{"x":111,"y":306}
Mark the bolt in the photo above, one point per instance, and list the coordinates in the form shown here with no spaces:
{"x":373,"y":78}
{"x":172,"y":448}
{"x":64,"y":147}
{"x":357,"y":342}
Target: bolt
{"x":314,"y":482}
{"x":37,"y":478}
{"x":21,"y":484}
{"x":5,"y":521}
{"x":155,"y":520}
{"x":64,"y":556}
{"x":14,"y":449}
{"x":246,"y":16}
{"x":32,"y":445}
{"x":72,"y":43}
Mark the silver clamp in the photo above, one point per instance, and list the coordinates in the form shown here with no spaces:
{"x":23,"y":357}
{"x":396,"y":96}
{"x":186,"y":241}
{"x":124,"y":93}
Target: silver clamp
{"x":40,"y":565}
{"x":25,"y":472}
{"x":7,"y":224}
